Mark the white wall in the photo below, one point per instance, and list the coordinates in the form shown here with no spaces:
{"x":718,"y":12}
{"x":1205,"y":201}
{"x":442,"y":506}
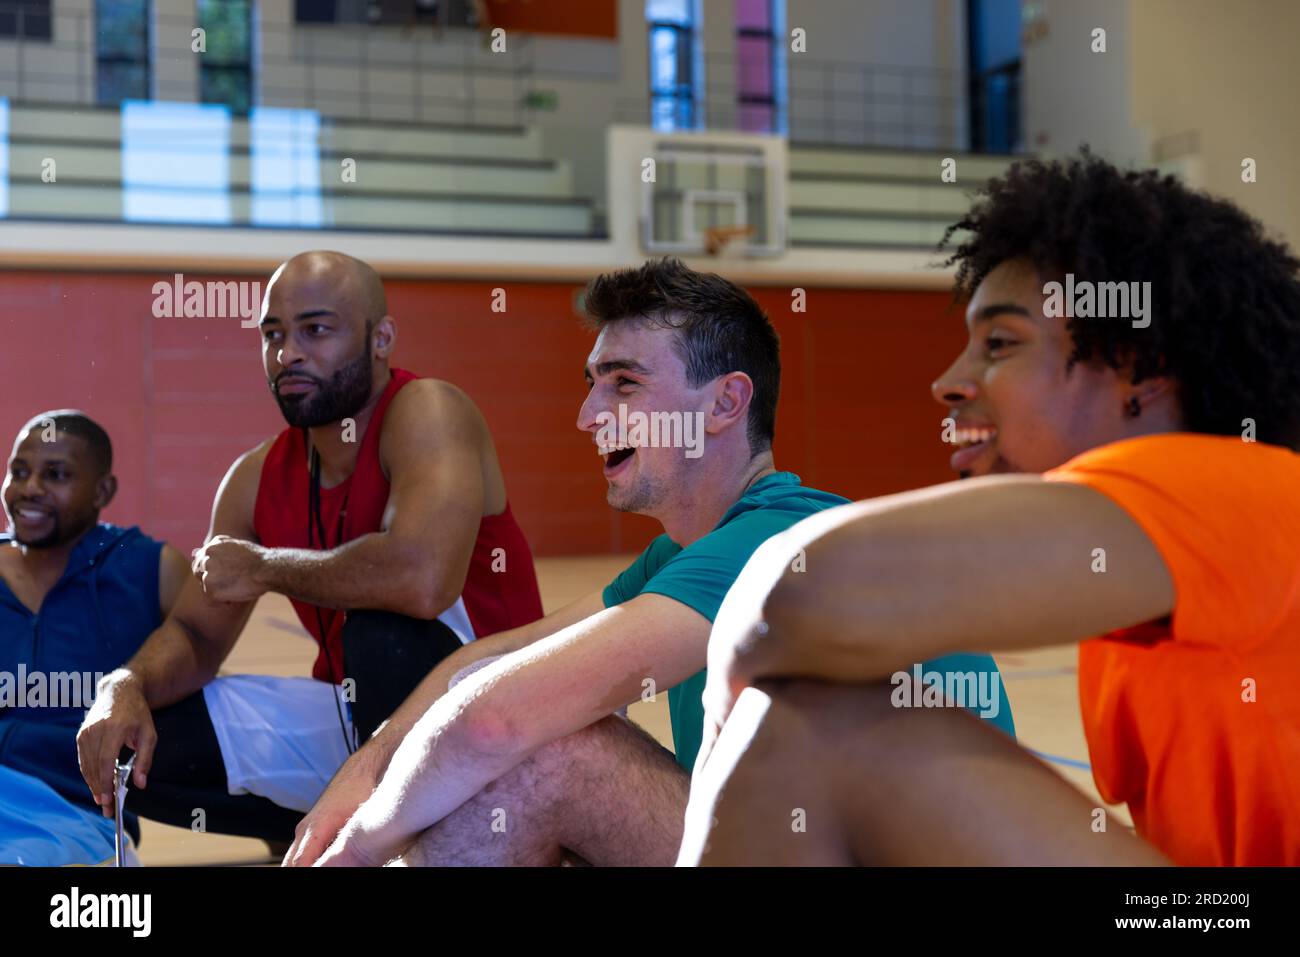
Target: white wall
{"x":1194,"y":86}
{"x":1073,"y":95}
{"x":928,"y":35}
{"x":1229,"y":75}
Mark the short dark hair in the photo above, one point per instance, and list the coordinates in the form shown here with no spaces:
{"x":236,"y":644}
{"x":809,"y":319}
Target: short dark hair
{"x":720,"y":329}
{"x":76,"y":422}
{"x":1225,"y":323}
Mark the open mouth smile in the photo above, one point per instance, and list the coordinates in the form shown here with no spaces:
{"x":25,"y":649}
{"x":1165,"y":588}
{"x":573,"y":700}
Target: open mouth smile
{"x":616,"y":457}
{"x":971,"y":443}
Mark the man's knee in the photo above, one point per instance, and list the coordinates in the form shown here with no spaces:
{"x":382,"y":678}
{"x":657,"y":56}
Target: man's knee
{"x":555,"y":769}
{"x":592,"y":752}
{"x":581,"y":791}
{"x":763,"y":796}
{"x":772,"y":727}
{"x":767,"y":741}
{"x":611,"y":770}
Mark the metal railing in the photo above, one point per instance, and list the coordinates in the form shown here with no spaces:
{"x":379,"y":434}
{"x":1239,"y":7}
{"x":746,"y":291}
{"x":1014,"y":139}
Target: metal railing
{"x":350,"y":71}
{"x":296,"y":65}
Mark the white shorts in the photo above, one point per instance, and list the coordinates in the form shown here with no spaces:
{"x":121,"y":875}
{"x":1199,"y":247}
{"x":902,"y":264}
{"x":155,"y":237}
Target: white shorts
{"x":280,"y":738}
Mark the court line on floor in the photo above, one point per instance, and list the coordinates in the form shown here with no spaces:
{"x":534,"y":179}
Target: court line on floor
{"x":282,"y":625}
{"x":1058,"y":759}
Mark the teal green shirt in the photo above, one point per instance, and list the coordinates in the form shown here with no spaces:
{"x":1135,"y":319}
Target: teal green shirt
{"x":700,"y":575}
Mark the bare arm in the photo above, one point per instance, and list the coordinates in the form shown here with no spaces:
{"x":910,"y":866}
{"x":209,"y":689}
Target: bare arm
{"x":416,"y":563}
{"x":984,"y":565}
{"x":173,"y":573}
{"x":187,"y":649}
{"x":434,"y":685}
{"x":494,"y":720}
{"x":179,"y":658}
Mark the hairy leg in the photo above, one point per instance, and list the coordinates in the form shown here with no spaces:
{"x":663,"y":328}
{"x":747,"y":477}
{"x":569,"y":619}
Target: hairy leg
{"x":608,"y":795}
{"x":885,"y":785}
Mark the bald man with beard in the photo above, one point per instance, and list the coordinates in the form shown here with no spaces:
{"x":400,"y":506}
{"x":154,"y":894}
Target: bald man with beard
{"x":380,"y":512}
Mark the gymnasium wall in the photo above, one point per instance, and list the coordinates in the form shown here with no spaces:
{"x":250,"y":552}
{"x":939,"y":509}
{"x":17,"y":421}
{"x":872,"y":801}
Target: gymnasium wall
{"x":182,"y":398}
{"x":1183,"y":83}
{"x":1221,"y":79}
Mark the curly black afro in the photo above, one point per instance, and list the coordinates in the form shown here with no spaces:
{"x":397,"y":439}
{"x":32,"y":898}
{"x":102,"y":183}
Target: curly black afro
{"x":1225,"y":298}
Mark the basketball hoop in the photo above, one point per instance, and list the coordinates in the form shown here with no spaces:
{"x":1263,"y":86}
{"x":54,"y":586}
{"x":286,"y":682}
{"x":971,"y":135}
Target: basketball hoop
{"x":721,"y":241}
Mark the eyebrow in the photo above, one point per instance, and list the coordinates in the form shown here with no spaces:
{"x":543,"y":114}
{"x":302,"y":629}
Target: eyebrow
{"x":301,"y":317}
{"x":1001,"y":308}
{"x":614,"y":365}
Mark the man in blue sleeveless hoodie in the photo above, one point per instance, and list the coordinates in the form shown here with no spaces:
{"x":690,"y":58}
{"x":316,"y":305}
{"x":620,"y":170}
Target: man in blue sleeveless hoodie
{"x":77,"y":598}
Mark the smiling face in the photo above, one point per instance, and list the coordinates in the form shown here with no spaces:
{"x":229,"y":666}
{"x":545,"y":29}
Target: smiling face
{"x":325,"y":337}
{"x":53,"y":491}
{"x":1017,"y":406}
{"x":635,"y":365}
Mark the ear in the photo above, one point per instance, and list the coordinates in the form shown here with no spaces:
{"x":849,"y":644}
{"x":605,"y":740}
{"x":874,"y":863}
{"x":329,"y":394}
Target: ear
{"x":383,"y":337}
{"x":1150,"y":390}
{"x":731,"y":397}
{"x":105,"y":489}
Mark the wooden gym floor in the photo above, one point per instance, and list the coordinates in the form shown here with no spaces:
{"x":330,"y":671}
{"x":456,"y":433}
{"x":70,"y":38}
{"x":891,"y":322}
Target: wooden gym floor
{"x":1041,"y":685}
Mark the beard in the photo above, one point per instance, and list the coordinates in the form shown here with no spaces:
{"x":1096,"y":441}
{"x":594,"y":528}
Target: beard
{"x":60,"y":532}
{"x":342,"y":395}
{"x":51,"y":539}
{"x":642,"y":495}
{"x":639,"y":499}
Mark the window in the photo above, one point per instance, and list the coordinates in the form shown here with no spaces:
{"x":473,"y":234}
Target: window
{"x":285,"y":155}
{"x":122,"y":50}
{"x":226,"y":69}
{"x":28,"y":19}
{"x":671,"y":25}
{"x":315,"y":11}
{"x":446,"y":13}
{"x":993,"y":54}
{"x":175,"y":163}
{"x":756,"y":66}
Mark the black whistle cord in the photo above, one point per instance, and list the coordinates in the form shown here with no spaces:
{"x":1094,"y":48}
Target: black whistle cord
{"x":315,"y":527}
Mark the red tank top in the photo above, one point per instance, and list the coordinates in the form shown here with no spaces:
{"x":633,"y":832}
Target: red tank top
{"x":497,"y":594}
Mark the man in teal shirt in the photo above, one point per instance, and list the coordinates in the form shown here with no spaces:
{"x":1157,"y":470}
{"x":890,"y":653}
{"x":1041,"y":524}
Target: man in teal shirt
{"x":700,"y":576}
{"x":512,"y":750}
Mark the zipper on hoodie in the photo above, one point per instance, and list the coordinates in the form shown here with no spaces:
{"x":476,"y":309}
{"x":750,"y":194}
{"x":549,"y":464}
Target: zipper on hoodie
{"x":36,"y":619}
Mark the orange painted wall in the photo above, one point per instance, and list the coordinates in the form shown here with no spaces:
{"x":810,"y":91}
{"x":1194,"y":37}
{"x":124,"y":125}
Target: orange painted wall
{"x":182,"y":398}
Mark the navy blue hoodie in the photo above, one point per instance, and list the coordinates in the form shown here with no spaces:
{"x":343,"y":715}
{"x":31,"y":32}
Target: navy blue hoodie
{"x":96,"y":616}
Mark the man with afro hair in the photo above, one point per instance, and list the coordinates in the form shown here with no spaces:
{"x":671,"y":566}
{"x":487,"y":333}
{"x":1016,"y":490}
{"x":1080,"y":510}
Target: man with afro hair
{"x":1129,"y":485}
